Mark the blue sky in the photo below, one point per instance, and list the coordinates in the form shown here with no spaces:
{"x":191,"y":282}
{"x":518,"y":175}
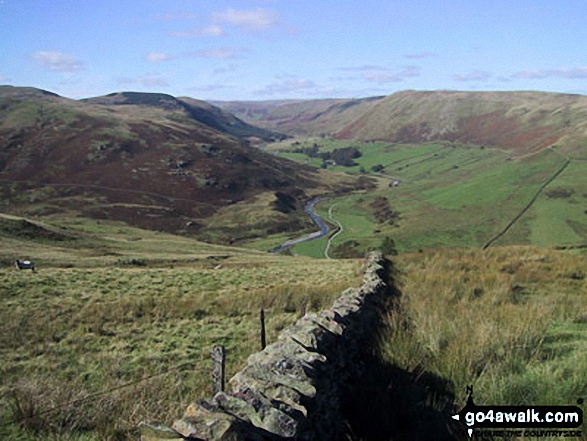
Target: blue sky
{"x":277,"y":49}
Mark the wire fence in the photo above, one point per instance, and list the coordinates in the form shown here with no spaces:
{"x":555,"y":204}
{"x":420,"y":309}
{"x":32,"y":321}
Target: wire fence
{"x":93,"y":396}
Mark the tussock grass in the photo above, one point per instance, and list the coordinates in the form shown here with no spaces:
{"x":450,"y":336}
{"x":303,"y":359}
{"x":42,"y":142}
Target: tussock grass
{"x":143,"y":334}
{"x":510,"y":321}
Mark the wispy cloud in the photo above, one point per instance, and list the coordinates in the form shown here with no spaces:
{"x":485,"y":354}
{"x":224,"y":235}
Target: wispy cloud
{"x":394,"y":77}
{"x":420,"y":55}
{"x":225,"y":69}
{"x":210,"y":88}
{"x":223,"y":53}
{"x":58,"y":61}
{"x":365,"y":68}
{"x":248,"y":20}
{"x":294,"y":87}
{"x":209,"y":31}
{"x":383,"y":74}
{"x":4,"y":79}
{"x":574,"y":73}
{"x":173,"y":16}
{"x":152,"y":80}
{"x":473,"y":76}
{"x":157,"y":57}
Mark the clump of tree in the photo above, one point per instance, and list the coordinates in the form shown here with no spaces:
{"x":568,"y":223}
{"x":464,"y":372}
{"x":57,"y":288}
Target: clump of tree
{"x":388,"y":246}
{"x":344,"y":156}
{"x":383,"y":211}
{"x":348,"y":250}
{"x":377,"y":168}
{"x":284,"y":203}
{"x":560,"y":193}
{"x":312,"y":151}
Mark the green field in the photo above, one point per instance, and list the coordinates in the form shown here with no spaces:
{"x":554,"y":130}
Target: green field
{"x":456,"y":196}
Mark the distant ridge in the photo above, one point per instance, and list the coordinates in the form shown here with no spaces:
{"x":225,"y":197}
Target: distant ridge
{"x":300,"y":117}
{"x":523,"y":122}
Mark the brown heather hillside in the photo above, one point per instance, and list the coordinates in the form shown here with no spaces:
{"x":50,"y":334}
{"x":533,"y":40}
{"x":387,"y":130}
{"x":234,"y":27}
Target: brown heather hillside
{"x":190,"y":108}
{"x":150,"y":163}
{"x":523,"y":122}
{"x":301,"y":118}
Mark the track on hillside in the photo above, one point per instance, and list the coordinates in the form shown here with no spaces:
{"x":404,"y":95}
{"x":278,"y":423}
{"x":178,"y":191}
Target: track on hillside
{"x":330,"y":239}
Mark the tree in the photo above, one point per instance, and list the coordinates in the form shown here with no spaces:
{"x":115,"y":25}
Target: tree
{"x":388,"y":246}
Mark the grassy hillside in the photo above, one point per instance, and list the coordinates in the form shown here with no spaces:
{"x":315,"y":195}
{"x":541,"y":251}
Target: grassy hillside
{"x":116,"y":324}
{"x":451,"y":195}
{"x":522,"y":122}
{"x":301,"y":118}
{"x":510,"y":321}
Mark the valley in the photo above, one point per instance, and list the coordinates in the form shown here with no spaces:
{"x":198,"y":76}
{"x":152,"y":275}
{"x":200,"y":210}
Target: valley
{"x":151,"y":220}
{"x":187,"y":167}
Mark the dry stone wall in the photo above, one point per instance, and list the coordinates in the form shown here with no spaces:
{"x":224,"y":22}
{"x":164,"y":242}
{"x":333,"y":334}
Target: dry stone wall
{"x":294,"y":387}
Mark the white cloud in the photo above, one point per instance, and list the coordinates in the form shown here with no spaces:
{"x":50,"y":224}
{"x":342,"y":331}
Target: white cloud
{"x":249,"y":20}
{"x":223,"y":53}
{"x":383,"y":77}
{"x":156,"y":57}
{"x":296,"y":86}
{"x":57,"y":61}
{"x":211,"y":30}
{"x":172,"y":16}
{"x":382,"y":74}
{"x":575,"y":73}
{"x":145,"y":80}
{"x":476,"y":75}
{"x":208,"y":31}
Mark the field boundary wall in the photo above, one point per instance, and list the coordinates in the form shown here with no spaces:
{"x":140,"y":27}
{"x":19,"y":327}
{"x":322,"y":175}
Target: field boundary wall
{"x":295,"y":387}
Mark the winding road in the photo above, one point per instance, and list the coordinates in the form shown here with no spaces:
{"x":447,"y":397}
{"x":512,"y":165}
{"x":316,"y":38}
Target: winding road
{"x":309,"y":209}
{"x":330,"y":239}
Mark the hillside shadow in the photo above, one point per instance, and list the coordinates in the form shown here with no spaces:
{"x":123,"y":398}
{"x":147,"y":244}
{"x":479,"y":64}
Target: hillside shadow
{"x":388,"y":403}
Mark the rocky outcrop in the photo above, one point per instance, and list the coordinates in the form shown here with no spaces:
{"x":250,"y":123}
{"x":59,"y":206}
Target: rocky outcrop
{"x":295,"y":386}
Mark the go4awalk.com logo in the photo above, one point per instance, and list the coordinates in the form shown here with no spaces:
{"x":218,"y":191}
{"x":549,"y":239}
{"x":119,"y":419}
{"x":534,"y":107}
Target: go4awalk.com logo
{"x":517,"y":421}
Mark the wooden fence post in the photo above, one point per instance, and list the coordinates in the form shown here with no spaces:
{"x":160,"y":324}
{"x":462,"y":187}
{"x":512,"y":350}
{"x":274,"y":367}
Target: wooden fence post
{"x":263,"y":340}
{"x":218,"y":368}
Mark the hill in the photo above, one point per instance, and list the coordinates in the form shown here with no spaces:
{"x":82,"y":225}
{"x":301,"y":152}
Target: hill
{"x":199,"y":111}
{"x":151,"y":160}
{"x":523,"y":122}
{"x":301,"y":118}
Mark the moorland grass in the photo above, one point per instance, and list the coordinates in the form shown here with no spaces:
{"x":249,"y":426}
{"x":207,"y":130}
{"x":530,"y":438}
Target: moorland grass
{"x":510,"y":321}
{"x":128,"y":318}
{"x":68,"y":333}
